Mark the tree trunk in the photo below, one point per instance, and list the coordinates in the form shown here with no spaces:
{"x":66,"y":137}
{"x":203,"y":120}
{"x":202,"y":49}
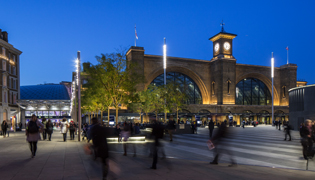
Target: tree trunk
{"x":116,"y":115}
{"x":156,"y":116}
{"x":176,"y":115}
{"x":97,"y":113}
{"x":108,"y":115}
{"x":89,"y":117}
{"x":140,"y":119}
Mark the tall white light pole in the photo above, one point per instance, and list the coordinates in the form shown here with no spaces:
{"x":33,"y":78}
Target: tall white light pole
{"x":272,"y":76}
{"x":164,"y":66}
{"x":79,"y":94}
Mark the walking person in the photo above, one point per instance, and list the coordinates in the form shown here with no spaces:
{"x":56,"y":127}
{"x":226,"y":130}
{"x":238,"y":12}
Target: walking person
{"x":217,"y":141}
{"x":49,"y":129}
{"x":211,"y":127}
{"x":125,"y":134}
{"x":64,"y":128}
{"x":171,"y":127}
{"x":243,"y":124}
{"x":72,"y":130}
{"x":287,"y":129}
{"x":44,"y":130}
{"x":98,"y":135}
{"x":4,"y":127}
{"x":279,"y":124}
{"x":307,"y":139}
{"x":157,"y":133}
{"x":32,"y":132}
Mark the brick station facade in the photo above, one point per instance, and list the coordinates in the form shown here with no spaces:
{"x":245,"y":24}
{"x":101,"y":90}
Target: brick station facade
{"x":217,"y":80}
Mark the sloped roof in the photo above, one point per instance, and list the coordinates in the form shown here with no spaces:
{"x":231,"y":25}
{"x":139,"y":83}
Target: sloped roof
{"x":44,"y":92}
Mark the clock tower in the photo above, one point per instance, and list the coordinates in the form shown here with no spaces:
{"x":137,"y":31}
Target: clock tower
{"x":222,"y":44}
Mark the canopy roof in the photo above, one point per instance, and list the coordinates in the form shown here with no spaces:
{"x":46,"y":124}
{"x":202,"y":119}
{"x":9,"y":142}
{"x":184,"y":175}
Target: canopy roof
{"x":44,"y":92}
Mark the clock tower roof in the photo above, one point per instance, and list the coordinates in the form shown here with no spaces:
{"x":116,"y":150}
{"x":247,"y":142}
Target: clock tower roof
{"x":222,"y":35}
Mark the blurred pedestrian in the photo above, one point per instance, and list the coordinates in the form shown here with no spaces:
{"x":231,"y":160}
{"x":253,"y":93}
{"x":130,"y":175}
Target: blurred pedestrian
{"x":307,"y":139}
{"x":276,"y":123}
{"x":157,"y":133}
{"x":98,"y":135}
{"x":49,"y":129}
{"x":32,"y":132}
{"x":72,"y":128}
{"x":4,"y":127}
{"x":287,"y":130}
{"x":125,"y":134}
{"x":279,"y":124}
{"x":118,"y":132}
{"x":44,"y":130}
{"x":211,"y":127}
{"x":243,"y":124}
{"x":64,"y":125}
{"x":217,"y":141}
{"x":171,"y":127}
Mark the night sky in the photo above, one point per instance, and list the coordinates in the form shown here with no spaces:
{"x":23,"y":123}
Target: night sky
{"x":49,"y":33}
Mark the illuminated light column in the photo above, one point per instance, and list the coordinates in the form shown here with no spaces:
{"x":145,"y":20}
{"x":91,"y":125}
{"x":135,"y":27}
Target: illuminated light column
{"x":79,"y":94}
{"x":272,"y":76}
{"x":164,"y":65}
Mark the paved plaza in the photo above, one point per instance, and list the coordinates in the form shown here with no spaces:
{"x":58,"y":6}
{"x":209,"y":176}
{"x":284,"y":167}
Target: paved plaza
{"x":260,"y":152}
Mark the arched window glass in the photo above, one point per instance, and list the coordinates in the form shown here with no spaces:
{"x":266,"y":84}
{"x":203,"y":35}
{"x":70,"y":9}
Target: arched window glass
{"x":187,"y":85}
{"x":252,"y":91}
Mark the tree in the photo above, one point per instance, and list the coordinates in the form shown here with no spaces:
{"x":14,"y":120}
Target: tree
{"x":117,"y":77}
{"x":95,"y":97}
{"x":143,"y":100}
{"x":175,"y":98}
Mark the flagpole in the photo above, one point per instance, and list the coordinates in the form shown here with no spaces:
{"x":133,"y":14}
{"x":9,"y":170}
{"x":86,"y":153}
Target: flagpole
{"x":272,"y":76}
{"x":135,"y":36}
{"x":287,"y":54}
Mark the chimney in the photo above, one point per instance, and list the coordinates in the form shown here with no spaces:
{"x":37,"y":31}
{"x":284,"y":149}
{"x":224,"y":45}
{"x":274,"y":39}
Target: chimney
{"x":86,"y":65}
{"x":5,"y":36}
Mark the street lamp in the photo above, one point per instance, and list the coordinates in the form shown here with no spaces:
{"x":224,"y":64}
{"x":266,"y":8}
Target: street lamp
{"x":272,"y":77}
{"x":164,"y":65}
{"x":79,"y":93}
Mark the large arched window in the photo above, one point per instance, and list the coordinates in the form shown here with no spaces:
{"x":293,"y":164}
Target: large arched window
{"x":252,"y":91}
{"x":187,"y":85}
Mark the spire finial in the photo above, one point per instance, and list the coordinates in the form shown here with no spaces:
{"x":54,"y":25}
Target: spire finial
{"x":222,"y":24}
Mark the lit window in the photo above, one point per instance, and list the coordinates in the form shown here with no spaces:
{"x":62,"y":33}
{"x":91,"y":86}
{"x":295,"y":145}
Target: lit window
{"x":14,"y":84}
{"x":5,"y":97}
{"x":3,"y":51}
{"x":4,"y":65}
{"x":4,"y":80}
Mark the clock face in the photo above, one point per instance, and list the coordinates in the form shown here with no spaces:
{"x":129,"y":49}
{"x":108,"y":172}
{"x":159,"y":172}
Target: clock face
{"x":216,"y":47}
{"x":226,"y":46}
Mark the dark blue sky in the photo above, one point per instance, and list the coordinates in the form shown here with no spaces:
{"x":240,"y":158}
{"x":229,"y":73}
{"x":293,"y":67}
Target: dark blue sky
{"x":51,"y":32}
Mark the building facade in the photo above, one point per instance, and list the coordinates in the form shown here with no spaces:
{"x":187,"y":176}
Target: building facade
{"x":9,"y":81}
{"x":301,"y":105}
{"x":221,"y":88}
{"x":50,"y":101}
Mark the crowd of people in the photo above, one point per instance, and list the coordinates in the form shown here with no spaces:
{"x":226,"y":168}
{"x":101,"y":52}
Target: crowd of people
{"x":98,"y":133}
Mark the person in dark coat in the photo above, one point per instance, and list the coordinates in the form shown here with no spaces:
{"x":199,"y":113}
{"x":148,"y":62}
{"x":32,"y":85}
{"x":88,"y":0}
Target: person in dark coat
{"x":171,"y":127}
{"x":98,"y":136}
{"x":72,"y":128}
{"x":49,"y":129}
{"x":307,"y":139}
{"x":157,"y":133}
{"x":279,"y":124}
{"x":287,"y":129}
{"x":4,"y":127}
{"x":211,"y":127}
{"x":217,"y":141}
{"x":44,"y":133}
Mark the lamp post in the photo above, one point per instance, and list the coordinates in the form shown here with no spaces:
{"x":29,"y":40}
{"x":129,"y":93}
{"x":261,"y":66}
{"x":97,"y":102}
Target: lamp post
{"x":164,"y":65}
{"x":79,"y":93}
{"x":272,"y":76}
